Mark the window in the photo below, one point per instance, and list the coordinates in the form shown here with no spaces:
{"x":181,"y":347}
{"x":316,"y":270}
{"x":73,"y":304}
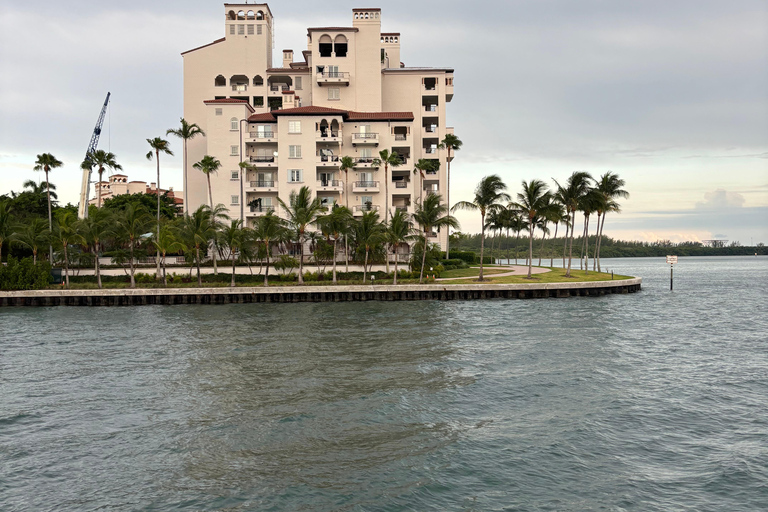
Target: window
{"x":327,"y":201}
{"x":297,"y":83}
{"x":234,"y":151}
{"x":219,"y":111}
{"x":332,"y":71}
{"x":293,"y":151}
{"x":250,"y":30}
{"x":258,"y":101}
{"x":258,"y":30}
{"x":233,"y":124}
{"x":366,"y":153}
{"x":231,"y":30}
{"x":334,"y":93}
{"x":295,"y":175}
{"x":240,"y":30}
{"x":294,"y":127}
{"x":235,"y":200}
{"x":235,"y":176}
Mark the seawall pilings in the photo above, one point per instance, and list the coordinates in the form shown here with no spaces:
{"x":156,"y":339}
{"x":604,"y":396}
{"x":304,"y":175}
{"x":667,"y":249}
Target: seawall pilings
{"x":295,"y":294}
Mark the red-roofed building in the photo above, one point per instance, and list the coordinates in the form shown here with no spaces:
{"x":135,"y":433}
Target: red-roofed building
{"x":118,"y":185}
{"x":293,"y":120}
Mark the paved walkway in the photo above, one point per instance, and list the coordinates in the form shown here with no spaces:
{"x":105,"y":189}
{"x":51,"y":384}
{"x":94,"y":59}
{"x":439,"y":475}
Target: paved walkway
{"x":514,"y":270}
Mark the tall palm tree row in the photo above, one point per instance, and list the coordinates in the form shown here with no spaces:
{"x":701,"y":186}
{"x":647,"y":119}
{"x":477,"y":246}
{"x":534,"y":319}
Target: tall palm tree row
{"x":451,"y":143}
{"x":186,"y":133}
{"x":609,"y":186}
{"x":158,"y":146}
{"x":302,"y":212}
{"x":489,"y":195}
{"x":45,"y":163}
{"x":533,"y":202}
{"x":209,"y":165}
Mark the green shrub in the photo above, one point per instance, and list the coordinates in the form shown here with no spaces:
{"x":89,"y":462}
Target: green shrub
{"x":25,"y":275}
{"x":466,"y":256}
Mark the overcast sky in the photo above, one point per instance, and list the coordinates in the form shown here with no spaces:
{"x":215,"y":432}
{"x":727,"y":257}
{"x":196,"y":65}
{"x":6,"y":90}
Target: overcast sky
{"x":671,"y":95}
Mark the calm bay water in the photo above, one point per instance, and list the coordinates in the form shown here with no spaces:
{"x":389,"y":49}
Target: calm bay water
{"x":650,"y":401}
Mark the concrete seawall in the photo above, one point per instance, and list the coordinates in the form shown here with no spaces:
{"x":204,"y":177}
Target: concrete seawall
{"x":293,"y":294}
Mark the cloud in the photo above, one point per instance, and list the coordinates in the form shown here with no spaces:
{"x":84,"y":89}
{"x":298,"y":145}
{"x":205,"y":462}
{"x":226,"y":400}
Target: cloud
{"x":721,"y":199}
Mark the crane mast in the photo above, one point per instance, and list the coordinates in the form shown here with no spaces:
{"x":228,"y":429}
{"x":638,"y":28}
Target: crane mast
{"x":85,"y":189}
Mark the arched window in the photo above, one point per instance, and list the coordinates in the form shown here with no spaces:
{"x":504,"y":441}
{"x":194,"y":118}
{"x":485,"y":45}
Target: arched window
{"x":258,"y":81}
{"x":250,"y":15}
{"x":340,"y":46}
{"x":260,"y":15}
{"x":231,"y":15}
{"x":234,"y":124}
{"x":241,"y":15}
{"x":220,"y":81}
{"x":396,"y":39}
{"x":325,"y":45}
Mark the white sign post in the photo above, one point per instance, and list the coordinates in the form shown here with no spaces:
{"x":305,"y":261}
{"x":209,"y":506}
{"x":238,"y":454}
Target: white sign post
{"x":671,"y":260}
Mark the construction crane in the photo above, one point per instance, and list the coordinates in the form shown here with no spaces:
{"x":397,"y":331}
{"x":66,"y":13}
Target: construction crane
{"x":85,"y":189}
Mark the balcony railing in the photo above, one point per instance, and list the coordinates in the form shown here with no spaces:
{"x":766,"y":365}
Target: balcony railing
{"x":329,"y":183}
{"x":403,"y":209}
{"x":363,"y":159}
{"x":262,"y":209}
{"x":430,"y":129}
{"x":401,"y":136}
{"x":430,"y":151}
{"x":331,"y":159}
{"x":262,"y":184}
{"x":401,"y":184}
{"x":430,"y":108}
{"x":263,"y":159}
{"x":364,"y":136}
{"x":333,"y":74}
{"x":328,"y":133}
{"x":366,"y":208}
{"x":239,"y":87}
{"x":262,"y":135}
{"x":367,"y":184}
{"x":279,"y":88}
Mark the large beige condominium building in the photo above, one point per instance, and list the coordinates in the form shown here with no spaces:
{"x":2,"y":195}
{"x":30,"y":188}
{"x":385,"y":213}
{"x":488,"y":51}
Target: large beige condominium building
{"x":349,"y":96}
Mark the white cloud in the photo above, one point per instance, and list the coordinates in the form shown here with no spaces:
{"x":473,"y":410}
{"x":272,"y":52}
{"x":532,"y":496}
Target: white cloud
{"x":721,"y":199}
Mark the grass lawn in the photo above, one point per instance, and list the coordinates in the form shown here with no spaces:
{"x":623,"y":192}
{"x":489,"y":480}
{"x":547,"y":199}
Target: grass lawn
{"x":473,"y":272}
{"x":557,"y":275}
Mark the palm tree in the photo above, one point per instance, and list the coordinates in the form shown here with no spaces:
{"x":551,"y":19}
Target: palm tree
{"x":46,"y":162}
{"x":345,"y":164}
{"x":102,"y":159}
{"x":610,"y":188}
{"x":589,"y":203}
{"x":388,"y":160}
{"x":302,"y":211}
{"x":33,"y":236}
{"x":209,"y":165}
{"x":336,"y":224}
{"x":452,"y":143}
{"x":186,"y":133}
{"x":532,"y":202}
{"x":166,"y":242}
{"x":131,"y":224}
{"x":65,"y":233}
{"x":488,"y":195}
{"x":158,"y":145}
{"x":429,"y":215}
{"x":421,"y":167}
{"x":234,"y":238}
{"x":94,"y":229}
{"x":556,"y":216}
{"x":7,"y":229}
{"x":369,"y":234}
{"x":570,"y":195}
{"x":40,"y":189}
{"x":399,"y":230}
{"x":198,"y":230}
{"x":269,"y":229}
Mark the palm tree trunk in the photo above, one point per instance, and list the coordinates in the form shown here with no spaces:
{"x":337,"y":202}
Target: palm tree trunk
{"x":386,"y":210}
{"x":570,"y":246}
{"x":213,"y":252}
{"x":395,"y":276}
{"x":197,"y":261}
{"x":301,"y":260}
{"x":365,"y":265}
{"x":423,"y":256}
{"x":448,"y":201}
{"x":346,"y":253}
{"x":133,"y":280}
{"x":165,"y":278}
{"x":232,"y":284}
{"x":66,"y":264}
{"x":34,"y":256}
{"x":266,"y":269}
{"x":597,"y":242}
{"x":482,"y":244}
{"x":600,"y":242}
{"x":335,"y":239}
{"x":508,"y":247}
{"x":543,"y":238}
{"x":552,"y":255}
{"x":530,"y":248}
{"x":96,"y":259}
{"x":586,"y":244}
{"x":565,"y":242}
{"x":186,"y":206}
{"x":157,"y":255}
{"x":50,"y":217}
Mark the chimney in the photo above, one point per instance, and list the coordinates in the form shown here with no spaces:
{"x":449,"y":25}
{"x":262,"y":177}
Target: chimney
{"x":287,"y":58}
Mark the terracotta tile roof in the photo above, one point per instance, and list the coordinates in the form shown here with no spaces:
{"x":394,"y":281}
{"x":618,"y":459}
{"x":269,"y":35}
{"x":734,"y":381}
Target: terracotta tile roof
{"x":229,"y":101}
{"x":289,"y":92}
{"x":309,"y":111}
{"x":366,"y":9}
{"x":278,"y":70}
{"x":380,"y":116}
{"x":204,"y":46}
{"x":390,"y":33}
{"x":262,"y":118}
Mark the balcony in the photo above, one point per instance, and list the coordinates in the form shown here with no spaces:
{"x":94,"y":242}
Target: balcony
{"x":239,"y":87}
{"x":277,"y":90}
{"x":268,"y":162}
{"x":262,"y":186}
{"x":365,"y":186}
{"x":399,"y":137}
{"x":329,"y":186}
{"x":333,"y":78}
{"x":259,"y":211}
{"x":331,"y":161}
{"x":328,"y":136}
{"x":364,"y":162}
{"x":401,"y":184}
{"x":430,"y":108}
{"x":261,"y":137}
{"x":360,"y":209}
{"x":362,"y":139}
